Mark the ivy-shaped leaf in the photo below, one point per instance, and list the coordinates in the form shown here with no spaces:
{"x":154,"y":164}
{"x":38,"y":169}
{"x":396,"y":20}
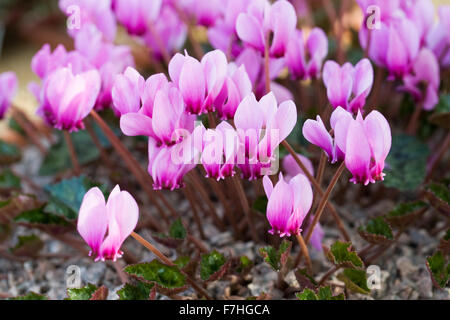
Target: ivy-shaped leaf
{"x":39,"y":217}
{"x":439,"y":269}
{"x":304,"y":279}
{"x":212,"y":266}
{"x":406,"y":163}
{"x":9,"y":153}
{"x":156,"y":272}
{"x":100,"y":294}
{"x":84,"y":293}
{"x":355,"y":280}
{"x":176,"y":236}
{"x":341,"y":255}
{"x":244,"y":265}
{"x":324,"y":293}
{"x":276,"y":258}
{"x":177,"y":230}
{"x":28,"y":246}
{"x":376,"y":231}
{"x":406,"y":213}
{"x":30,"y":296}
{"x":69,"y":193}
{"x":8,"y":180}
{"x":136,"y":291}
{"x":438,"y":195}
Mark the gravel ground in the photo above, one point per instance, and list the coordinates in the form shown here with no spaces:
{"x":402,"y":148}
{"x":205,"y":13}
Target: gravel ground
{"x":403,"y":271}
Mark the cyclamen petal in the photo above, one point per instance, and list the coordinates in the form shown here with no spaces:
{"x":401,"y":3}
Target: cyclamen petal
{"x":287,"y":204}
{"x":291,"y":167}
{"x":315,"y":132}
{"x":8,"y":88}
{"x":193,"y":91}
{"x":127,"y":90}
{"x":117,"y":218}
{"x":68,"y":99}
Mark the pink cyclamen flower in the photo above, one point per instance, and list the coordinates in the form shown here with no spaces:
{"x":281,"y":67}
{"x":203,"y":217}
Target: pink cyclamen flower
{"x":261,"y":19}
{"x":394,"y":45}
{"x":170,"y":29}
{"x":317,"y":237}
{"x":105,"y":225}
{"x":205,"y":12}
{"x":104,"y":56}
{"x":135,"y":15}
{"x":423,"y":82}
{"x":219,"y":151}
{"x":162,"y":111}
{"x":315,"y":47}
{"x":168,"y":165}
{"x":223,"y":34}
{"x":291,"y":167}
{"x":348,"y":86}
{"x":254,"y":66}
{"x":8,"y":88}
{"x":200,"y":82}
{"x":67,"y":98}
{"x":288,"y":204}
{"x":261,"y":126}
{"x":82,"y":13}
{"x":365,"y":143}
{"x":438,"y":39}
{"x":237,"y":85}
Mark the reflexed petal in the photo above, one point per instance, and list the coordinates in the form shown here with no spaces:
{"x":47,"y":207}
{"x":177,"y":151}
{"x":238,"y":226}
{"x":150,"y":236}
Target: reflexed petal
{"x":316,"y":133}
{"x":136,"y":124}
{"x":92,"y":219}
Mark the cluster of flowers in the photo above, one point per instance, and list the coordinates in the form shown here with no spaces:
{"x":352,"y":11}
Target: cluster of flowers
{"x":166,"y":111}
{"x":409,"y":44}
{"x":230,"y":82}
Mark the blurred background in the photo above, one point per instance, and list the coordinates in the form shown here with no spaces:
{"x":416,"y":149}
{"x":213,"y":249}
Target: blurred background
{"x":25,"y":25}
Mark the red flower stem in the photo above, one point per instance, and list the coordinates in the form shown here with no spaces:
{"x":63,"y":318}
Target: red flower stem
{"x":304,"y":249}
{"x":198,"y":185}
{"x":19,"y":117}
{"x":318,"y":189}
{"x":324,"y":200}
{"x":320,"y":171}
{"x":103,"y":153}
{"x":413,"y":121}
{"x":131,"y":163}
{"x":168,"y":262}
{"x":328,"y":274}
{"x":73,"y":154}
{"x":122,"y":275}
{"x":438,"y":156}
{"x":320,"y":208}
{"x":228,"y":211}
{"x":194,"y":208}
{"x":245,"y":206}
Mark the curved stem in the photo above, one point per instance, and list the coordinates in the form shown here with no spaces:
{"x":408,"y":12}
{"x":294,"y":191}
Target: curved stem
{"x":305,"y":251}
{"x":167,"y":261}
{"x":25,"y":124}
{"x":318,"y":189}
{"x":131,"y":163}
{"x":73,"y":154}
{"x":245,"y":206}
